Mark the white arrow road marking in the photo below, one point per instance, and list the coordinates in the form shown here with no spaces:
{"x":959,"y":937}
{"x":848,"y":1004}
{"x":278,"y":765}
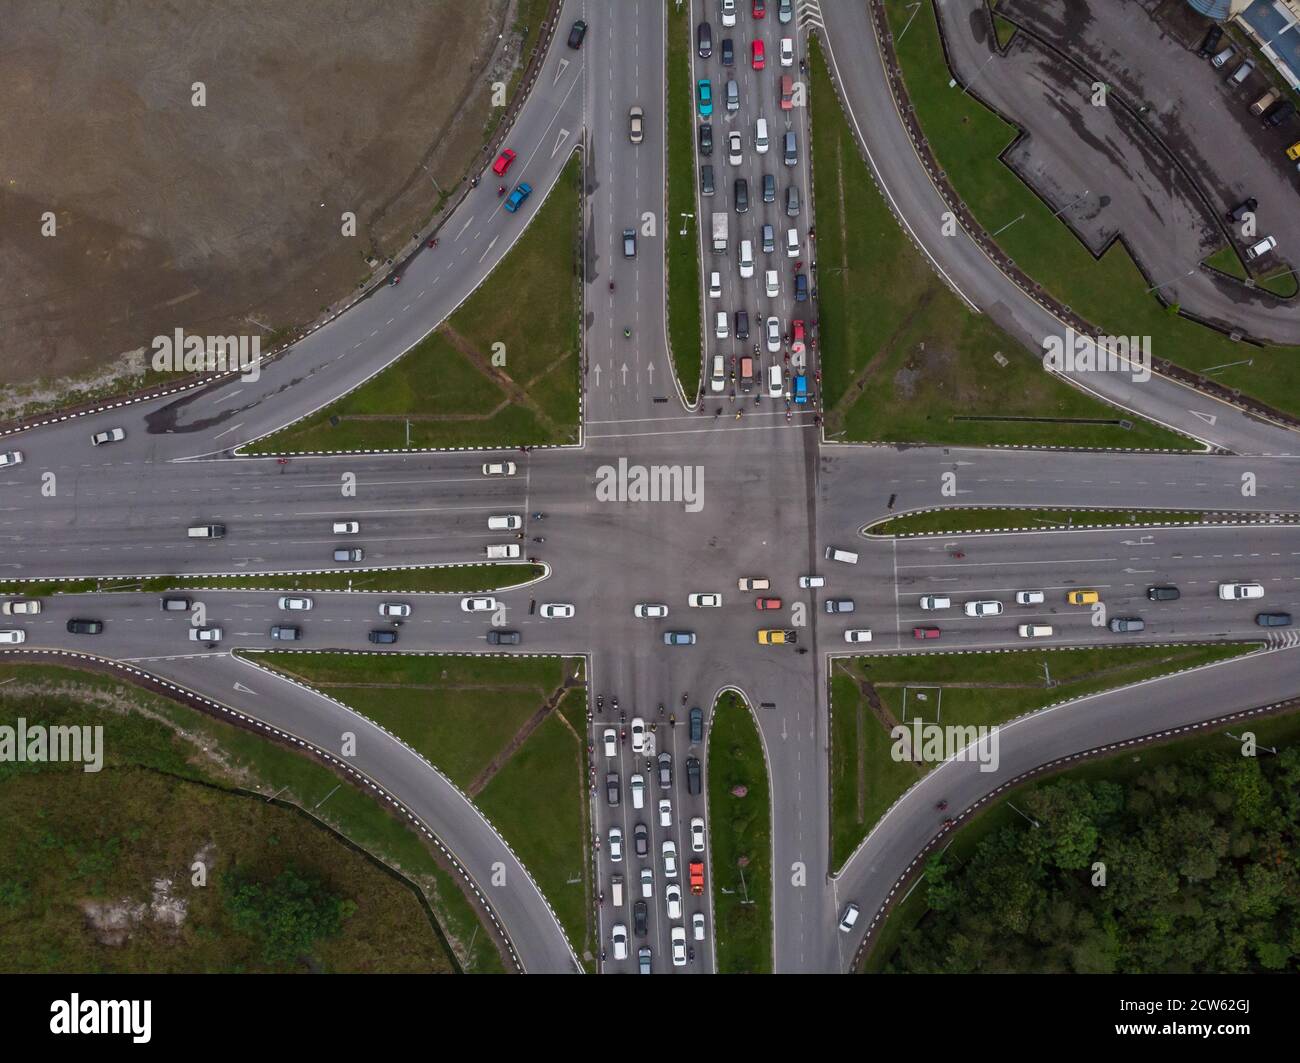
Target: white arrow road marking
{"x":243,"y":689}
{"x":488,"y":250}
{"x":559,"y":71}
{"x":560,"y":138}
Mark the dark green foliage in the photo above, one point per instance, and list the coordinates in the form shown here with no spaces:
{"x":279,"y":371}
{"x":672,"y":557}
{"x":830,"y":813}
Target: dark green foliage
{"x":287,"y":915}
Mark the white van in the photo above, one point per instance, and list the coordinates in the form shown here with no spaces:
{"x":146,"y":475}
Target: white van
{"x":718,"y":378}
{"x":497,"y":551}
{"x":761,"y":143}
{"x":935,"y":601}
{"x":834,"y":553}
{"x":754,"y":583}
{"x":1034,"y":631}
{"x":506,"y":522}
{"x":775,"y":383}
{"x":616,"y":890}
{"x":721,"y":329}
{"x":206,"y":531}
{"x":746,"y":259}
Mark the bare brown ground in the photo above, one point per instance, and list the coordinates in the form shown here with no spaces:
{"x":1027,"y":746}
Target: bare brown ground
{"x":224,"y":218}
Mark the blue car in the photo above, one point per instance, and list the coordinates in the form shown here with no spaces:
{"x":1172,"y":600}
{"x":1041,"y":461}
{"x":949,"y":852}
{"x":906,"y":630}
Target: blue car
{"x":800,"y":389}
{"x":801,"y":287}
{"x":516,"y":198}
{"x":704,"y":89}
{"x":679,"y":638}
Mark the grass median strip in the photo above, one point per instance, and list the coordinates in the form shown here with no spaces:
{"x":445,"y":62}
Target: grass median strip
{"x":902,"y":361}
{"x":501,"y":370}
{"x":1110,"y":292}
{"x":942,"y":521}
{"x":682,"y":252}
{"x":740,"y":840}
{"x":872,"y":695}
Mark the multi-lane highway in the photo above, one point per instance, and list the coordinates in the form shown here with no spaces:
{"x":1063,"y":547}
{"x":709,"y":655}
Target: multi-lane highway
{"x":758,"y":496}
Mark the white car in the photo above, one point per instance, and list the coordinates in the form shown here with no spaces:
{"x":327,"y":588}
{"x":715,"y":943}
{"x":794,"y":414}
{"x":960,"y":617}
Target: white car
{"x":715,"y":285}
{"x":647,"y":882}
{"x":679,"y":946}
{"x":616,"y":844}
{"x":727,"y":9}
{"x":673,"y":900}
{"x":638,"y":735}
{"x":792,"y":243}
{"x":21,"y":607}
{"x":812,"y":581}
{"x":787,"y":51}
{"x":745,"y":260}
{"x":346,"y":527}
{"x":1231,"y":592}
{"x":775,"y":382}
{"x":110,"y":435}
{"x":618,"y":938}
{"x":718,"y":378}
{"x":721,"y":327}
{"x":478,"y":605}
{"x":697,"y":926}
{"x":697,"y":834}
{"x":12,"y":637}
{"x":773,"y":335}
{"x":849,"y":917}
{"x":557,"y":611}
{"x":649,"y":611}
{"x":771,"y":285}
{"x":704,"y":601}
{"x":1030,"y":598}
{"x":505,"y":522}
{"x":295,"y":603}
{"x":935,"y":601}
{"x":665,"y":812}
{"x":670,"y":859}
{"x":498,"y":468}
{"x":1034,"y":631}
{"x":394,"y":609}
{"x":610,"y":738}
{"x":735,"y":150}
{"x":637,"y":785}
{"x":11,"y":457}
{"x":205,"y":634}
{"x":857,"y":634}
{"x":983,"y":608}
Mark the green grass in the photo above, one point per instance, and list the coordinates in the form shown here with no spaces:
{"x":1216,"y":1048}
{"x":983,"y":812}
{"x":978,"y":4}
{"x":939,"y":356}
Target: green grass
{"x":459,"y":579}
{"x":445,"y":391}
{"x":902,"y":360}
{"x":467,"y":715}
{"x":1226,"y":260}
{"x":174,"y":782}
{"x":682,"y":252}
{"x":960,"y":520}
{"x":1110,"y":293}
{"x":1282,"y":282}
{"x":740,"y":830}
{"x":1275,"y":731}
{"x":983,"y":689}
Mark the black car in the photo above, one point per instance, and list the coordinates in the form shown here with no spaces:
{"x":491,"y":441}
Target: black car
{"x":769,"y":188}
{"x":641,"y":839}
{"x":1211,"y":42}
{"x":285,"y":633}
{"x":612,"y":789}
{"x":801,"y":287}
{"x":577,"y":33}
{"x":382,"y":637}
{"x":1279,"y":113}
{"x":665,"y":771}
{"x":706,"y":139}
{"x":1242,"y":209}
{"x":706,"y":179}
{"x":503,"y":638}
{"x":742,"y":324}
{"x":1164,"y":594}
{"x":704,"y":40}
{"x":639,"y":922}
{"x":692,"y":775}
{"x":728,"y":52}
{"x":742,"y":195}
{"x":697,"y":724}
{"x":85,"y":627}
{"x":1129,"y":625}
{"x":1273,"y":619}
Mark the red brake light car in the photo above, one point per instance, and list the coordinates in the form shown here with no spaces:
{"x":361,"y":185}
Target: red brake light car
{"x":503,"y":162}
{"x":925,"y":632}
{"x":787,"y":92}
{"x":767,"y":603}
{"x":796,"y":331}
{"x":759,"y":55}
{"x":760,"y":9}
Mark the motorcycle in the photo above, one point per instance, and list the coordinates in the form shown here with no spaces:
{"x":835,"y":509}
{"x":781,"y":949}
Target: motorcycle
{"x":538,"y":539}
{"x":611,"y":286}
{"x":539,"y":516}
{"x":627,"y":333}
{"x":942,"y":806}
{"x":959,"y":554}
{"x":501,"y":191}
{"x":433,"y":241}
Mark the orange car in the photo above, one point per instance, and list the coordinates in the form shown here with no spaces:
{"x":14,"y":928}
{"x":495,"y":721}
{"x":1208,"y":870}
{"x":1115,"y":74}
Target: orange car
{"x":767,"y":603}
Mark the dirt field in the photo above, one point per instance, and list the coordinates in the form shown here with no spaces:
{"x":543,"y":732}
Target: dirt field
{"x":226,"y":217}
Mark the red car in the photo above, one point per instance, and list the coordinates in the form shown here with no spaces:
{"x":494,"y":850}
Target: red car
{"x":760,"y":55}
{"x":760,"y":9}
{"x":503,"y":162}
{"x":796,"y":331}
{"x":925,"y":632}
{"x":767,"y":603}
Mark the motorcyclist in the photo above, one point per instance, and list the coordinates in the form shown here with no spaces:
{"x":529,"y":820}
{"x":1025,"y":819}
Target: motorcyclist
{"x":501,"y":190}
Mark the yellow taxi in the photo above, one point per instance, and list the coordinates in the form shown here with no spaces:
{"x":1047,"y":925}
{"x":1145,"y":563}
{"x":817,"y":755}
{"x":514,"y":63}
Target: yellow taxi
{"x":774,"y":637}
{"x":1082,"y":597}
{"x":1293,"y":152}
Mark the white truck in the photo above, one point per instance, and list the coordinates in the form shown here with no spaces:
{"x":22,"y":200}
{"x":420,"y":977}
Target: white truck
{"x":719,"y":233}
